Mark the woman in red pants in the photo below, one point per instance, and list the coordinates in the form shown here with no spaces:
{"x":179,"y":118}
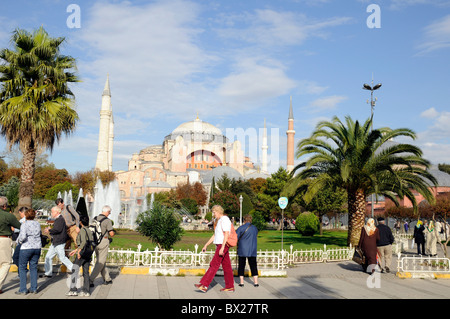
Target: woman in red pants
{"x":222,"y":228}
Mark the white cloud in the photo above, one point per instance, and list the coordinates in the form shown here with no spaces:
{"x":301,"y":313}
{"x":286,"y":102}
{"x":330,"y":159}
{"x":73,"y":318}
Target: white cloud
{"x":310,"y":87}
{"x":255,"y":81}
{"x":436,"y":36}
{"x":435,"y":140}
{"x":149,"y":51}
{"x":326,"y":103}
{"x":272,"y":29}
{"x":400,"y":4}
{"x":430,"y":113}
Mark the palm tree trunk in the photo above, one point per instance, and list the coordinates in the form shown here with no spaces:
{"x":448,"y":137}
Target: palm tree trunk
{"x":356,"y":216}
{"x":26,"y":188}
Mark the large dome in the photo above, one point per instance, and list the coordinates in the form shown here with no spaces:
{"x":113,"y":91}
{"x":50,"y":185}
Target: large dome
{"x":196,"y":126}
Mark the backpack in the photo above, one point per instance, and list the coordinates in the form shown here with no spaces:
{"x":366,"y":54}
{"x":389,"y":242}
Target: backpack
{"x":232,"y":237}
{"x":96,"y":227}
{"x":89,"y":248}
{"x":70,"y":212}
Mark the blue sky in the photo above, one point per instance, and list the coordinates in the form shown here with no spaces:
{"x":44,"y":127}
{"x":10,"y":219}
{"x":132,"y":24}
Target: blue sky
{"x":237,"y":63}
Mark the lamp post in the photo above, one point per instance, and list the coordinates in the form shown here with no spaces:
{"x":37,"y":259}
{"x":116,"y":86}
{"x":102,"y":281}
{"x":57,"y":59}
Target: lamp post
{"x":240,"y":209}
{"x":372,"y":88}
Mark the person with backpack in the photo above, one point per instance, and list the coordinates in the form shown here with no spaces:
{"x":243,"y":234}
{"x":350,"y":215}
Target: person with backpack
{"x":222,"y":230}
{"x":72,"y":219}
{"x":102,"y":247}
{"x":84,"y":251}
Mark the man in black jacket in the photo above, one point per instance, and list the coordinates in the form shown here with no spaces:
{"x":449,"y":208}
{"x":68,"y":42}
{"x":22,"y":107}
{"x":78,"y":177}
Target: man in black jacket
{"x":384,"y":245}
{"x":59,"y":238}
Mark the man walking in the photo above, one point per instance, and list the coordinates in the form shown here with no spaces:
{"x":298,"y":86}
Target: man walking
{"x":101,"y":251}
{"x":59,"y":238}
{"x":72,"y":219}
{"x":384,"y":245}
{"x":7,"y":220}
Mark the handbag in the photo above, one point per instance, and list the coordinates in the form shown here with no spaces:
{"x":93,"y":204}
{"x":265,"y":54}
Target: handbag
{"x":232,"y":237}
{"x":44,"y":240}
{"x":358,"y":256}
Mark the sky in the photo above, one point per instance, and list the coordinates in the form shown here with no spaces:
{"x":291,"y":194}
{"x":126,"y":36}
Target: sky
{"x":238,"y":63}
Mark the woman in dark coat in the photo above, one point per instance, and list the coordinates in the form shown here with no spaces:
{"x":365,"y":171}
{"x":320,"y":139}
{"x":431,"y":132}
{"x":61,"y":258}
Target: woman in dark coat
{"x":368,"y":243}
{"x":246,"y":249}
{"x":419,"y":237}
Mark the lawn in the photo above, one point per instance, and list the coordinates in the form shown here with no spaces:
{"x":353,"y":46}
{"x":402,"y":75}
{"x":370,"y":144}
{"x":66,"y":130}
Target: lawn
{"x":267,"y":240}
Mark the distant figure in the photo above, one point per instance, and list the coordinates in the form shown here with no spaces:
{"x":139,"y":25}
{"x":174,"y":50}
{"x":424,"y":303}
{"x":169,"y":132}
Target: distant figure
{"x":406,"y":225}
{"x":419,"y":237}
{"x":431,"y":239}
{"x":368,"y":243}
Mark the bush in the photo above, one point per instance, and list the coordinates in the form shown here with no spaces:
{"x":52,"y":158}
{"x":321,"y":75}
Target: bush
{"x":258,"y":220}
{"x":161,"y":225}
{"x":307,"y":223}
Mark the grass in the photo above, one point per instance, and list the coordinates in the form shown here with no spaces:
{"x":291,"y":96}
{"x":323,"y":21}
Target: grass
{"x":267,"y":240}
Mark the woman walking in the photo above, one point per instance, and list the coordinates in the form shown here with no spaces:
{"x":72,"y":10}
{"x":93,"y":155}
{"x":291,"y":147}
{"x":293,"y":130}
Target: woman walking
{"x":247,"y":246}
{"x":30,"y":250}
{"x":368,"y":243}
{"x":222,"y":228}
{"x":419,"y":237}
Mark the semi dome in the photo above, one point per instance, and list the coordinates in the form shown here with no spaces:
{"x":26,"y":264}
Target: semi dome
{"x":219,"y":171}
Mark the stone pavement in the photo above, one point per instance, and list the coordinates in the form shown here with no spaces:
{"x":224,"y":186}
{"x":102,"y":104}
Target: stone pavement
{"x":334,"y":280}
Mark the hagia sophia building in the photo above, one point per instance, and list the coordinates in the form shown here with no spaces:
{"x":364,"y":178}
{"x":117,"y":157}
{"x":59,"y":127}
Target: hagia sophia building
{"x":195,"y":151}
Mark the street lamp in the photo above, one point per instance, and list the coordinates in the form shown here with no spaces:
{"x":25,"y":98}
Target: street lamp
{"x":372,"y":106}
{"x":371,"y":89}
{"x":240,"y":209}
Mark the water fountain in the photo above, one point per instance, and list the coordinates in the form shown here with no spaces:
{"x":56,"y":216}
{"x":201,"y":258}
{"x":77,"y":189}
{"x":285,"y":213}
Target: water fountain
{"x":109,"y":195}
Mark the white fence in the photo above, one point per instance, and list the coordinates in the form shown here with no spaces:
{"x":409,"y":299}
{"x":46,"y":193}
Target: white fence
{"x":423,"y":264}
{"x":193,"y":259}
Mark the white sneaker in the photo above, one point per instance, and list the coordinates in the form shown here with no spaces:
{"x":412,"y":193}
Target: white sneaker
{"x":84,"y":294}
{"x":72,"y":293}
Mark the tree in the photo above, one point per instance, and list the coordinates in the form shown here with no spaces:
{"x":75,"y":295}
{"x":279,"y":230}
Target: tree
{"x":52,"y":193}
{"x":359,"y":160}
{"x":444,"y":168}
{"x":36,"y":104}
{"x":328,"y":201}
{"x":224,"y":183}
{"x":187,"y":194}
{"x":228,"y":201}
{"x":267,"y":200}
{"x":161,"y":225}
{"x":11,"y":191}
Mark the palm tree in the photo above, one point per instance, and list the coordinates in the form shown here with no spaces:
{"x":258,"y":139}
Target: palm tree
{"x":36,"y":104}
{"x":362,"y":161}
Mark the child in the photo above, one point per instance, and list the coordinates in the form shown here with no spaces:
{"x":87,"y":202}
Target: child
{"x":84,"y":256}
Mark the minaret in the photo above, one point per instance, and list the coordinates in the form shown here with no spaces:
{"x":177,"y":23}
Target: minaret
{"x":290,"y":140}
{"x":104,"y":154}
{"x":111,"y":141}
{"x":264,"y":149}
